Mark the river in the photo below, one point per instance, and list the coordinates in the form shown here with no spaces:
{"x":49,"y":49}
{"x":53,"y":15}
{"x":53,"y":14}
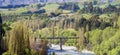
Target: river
{"x":68,"y":50}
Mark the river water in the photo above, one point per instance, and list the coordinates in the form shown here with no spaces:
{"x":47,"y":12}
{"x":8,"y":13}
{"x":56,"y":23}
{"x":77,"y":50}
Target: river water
{"x":70,"y":50}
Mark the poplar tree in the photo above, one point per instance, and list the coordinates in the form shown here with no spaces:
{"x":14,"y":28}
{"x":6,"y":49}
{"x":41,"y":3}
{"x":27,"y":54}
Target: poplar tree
{"x":19,"y":39}
{"x":81,"y":38}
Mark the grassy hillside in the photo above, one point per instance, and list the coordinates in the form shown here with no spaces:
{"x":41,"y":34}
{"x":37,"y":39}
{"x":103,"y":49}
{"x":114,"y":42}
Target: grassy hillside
{"x":50,"y":7}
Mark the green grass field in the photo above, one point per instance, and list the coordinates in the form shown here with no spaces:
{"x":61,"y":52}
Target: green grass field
{"x":50,"y":7}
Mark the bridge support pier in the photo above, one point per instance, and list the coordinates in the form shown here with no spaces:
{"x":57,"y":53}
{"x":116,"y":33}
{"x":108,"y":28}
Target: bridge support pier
{"x":61,"y":44}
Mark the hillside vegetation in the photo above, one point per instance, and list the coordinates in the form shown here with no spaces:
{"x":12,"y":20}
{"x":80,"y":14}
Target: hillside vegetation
{"x":96,"y":25}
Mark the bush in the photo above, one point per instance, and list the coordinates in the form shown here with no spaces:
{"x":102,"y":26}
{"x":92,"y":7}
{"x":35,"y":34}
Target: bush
{"x":68,"y":33}
{"x":70,"y":6}
{"x":6,"y":53}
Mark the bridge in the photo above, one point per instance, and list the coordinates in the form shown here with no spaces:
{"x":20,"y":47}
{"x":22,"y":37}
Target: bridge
{"x":60,"y":39}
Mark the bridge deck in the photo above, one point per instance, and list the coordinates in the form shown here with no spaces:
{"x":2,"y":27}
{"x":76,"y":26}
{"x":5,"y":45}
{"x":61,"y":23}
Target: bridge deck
{"x":59,"y":37}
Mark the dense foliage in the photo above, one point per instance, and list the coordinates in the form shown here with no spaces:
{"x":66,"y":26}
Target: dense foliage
{"x":97,"y":27}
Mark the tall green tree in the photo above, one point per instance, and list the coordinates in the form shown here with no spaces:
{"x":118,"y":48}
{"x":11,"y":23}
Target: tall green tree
{"x":1,"y":34}
{"x":81,"y":39}
{"x":19,"y":39}
{"x":118,"y":22}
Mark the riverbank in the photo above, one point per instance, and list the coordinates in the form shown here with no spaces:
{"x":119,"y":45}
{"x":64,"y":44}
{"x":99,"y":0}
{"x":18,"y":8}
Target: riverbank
{"x":70,"y":50}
